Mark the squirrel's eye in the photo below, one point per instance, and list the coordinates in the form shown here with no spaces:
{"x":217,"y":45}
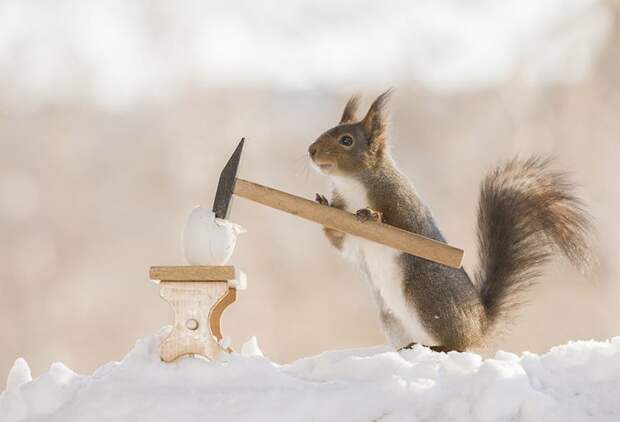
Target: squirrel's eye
{"x":346,"y":140}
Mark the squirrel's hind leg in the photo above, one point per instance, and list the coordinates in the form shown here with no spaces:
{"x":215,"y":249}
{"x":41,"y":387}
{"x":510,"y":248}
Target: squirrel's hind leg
{"x":393,"y":328}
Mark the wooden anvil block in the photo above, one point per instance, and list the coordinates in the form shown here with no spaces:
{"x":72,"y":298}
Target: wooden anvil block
{"x":198,"y":295}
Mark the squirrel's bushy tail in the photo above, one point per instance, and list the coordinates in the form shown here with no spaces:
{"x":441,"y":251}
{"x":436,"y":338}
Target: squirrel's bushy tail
{"x":525,"y":211}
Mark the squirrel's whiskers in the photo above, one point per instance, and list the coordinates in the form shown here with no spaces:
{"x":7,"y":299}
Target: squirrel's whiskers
{"x":301,"y":167}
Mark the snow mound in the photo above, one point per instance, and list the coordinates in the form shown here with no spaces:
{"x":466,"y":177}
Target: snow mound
{"x":575,"y":382}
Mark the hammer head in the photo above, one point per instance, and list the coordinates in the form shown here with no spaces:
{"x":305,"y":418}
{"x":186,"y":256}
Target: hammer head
{"x":226,"y":184}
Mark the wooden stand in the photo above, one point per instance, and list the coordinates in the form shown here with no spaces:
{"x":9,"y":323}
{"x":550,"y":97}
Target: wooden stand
{"x":198,"y":295}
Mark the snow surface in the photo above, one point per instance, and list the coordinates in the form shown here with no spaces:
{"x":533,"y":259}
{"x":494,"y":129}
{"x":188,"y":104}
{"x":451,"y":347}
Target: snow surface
{"x":575,"y":382}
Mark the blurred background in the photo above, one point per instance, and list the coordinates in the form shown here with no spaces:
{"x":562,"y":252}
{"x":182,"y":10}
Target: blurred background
{"x":116,"y":118}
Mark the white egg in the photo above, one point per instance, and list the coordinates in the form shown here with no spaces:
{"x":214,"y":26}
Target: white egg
{"x":208,"y":240}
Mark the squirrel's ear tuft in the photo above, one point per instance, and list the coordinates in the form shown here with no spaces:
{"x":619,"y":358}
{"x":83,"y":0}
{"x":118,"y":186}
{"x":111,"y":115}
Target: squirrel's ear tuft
{"x":375,"y":121}
{"x":350,"y":110}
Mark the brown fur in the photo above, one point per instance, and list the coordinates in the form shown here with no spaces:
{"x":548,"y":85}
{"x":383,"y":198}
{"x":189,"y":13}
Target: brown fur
{"x":350,"y":110}
{"x":525,"y":211}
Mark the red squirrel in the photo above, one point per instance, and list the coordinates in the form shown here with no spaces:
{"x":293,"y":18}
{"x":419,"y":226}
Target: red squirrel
{"x":526,"y":211}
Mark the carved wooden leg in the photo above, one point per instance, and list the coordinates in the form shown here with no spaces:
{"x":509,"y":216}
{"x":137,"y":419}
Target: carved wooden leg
{"x":197,"y":307}
{"x":218,"y":309}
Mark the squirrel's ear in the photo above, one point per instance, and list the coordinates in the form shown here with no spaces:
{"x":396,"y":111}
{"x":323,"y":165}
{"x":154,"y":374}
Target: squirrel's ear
{"x":350,"y":110}
{"x":375,"y":121}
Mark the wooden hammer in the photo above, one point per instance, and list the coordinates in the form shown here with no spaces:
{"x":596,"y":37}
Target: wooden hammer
{"x":385,"y":234}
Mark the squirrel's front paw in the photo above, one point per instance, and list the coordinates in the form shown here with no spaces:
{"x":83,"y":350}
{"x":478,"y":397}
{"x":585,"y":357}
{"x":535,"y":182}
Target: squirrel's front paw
{"x":321,"y":199}
{"x":368,"y":214}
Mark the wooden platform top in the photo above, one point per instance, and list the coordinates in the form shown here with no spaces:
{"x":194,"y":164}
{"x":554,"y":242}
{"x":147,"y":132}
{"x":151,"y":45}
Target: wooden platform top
{"x":193,"y":273}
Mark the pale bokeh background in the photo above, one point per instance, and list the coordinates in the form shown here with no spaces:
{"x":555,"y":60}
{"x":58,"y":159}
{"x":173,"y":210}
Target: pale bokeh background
{"x":116,"y":118}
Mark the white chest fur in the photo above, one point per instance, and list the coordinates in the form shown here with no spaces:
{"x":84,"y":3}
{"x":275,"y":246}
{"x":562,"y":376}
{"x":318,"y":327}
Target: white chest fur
{"x":382,"y":267}
{"x":352,"y":191}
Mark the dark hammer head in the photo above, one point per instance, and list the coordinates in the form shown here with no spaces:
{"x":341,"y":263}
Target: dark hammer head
{"x":226,"y":184}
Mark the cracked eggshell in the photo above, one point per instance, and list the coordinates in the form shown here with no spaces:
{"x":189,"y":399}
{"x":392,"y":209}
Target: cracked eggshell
{"x":208,"y":240}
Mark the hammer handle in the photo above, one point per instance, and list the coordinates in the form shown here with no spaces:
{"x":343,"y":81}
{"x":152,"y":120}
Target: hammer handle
{"x":337,"y":219}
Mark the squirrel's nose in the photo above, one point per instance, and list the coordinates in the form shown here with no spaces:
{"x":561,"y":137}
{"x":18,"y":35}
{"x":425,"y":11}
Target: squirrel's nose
{"x":312,"y":151}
